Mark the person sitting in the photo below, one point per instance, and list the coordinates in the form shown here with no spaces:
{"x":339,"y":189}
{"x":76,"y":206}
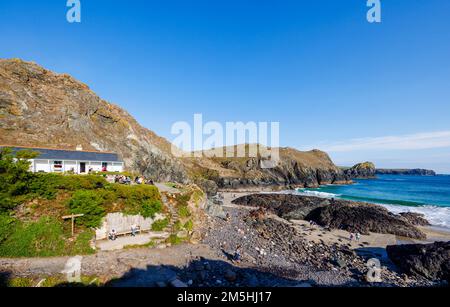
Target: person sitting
{"x":133,"y":230}
{"x":113,"y":235}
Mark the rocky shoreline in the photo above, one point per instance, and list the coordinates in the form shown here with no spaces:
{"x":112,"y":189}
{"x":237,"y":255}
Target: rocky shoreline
{"x":269,"y":242}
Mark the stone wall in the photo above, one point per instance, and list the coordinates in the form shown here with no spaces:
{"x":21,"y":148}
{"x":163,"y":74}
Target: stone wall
{"x":122,"y":223}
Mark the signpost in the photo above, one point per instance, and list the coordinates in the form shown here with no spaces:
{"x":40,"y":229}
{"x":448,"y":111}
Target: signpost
{"x":73,"y":216}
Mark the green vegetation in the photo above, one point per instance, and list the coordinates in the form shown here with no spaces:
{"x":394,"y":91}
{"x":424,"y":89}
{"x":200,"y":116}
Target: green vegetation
{"x":35,"y":228}
{"x":174,"y":239}
{"x":183,"y":212}
{"x":189,"y":225}
{"x":50,"y":282}
{"x":43,"y":238}
{"x":151,"y":207}
{"x":149,"y":245}
{"x":160,"y":225}
{"x":88,"y":203}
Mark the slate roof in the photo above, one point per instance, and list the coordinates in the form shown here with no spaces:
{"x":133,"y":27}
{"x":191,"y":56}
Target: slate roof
{"x":56,"y":154}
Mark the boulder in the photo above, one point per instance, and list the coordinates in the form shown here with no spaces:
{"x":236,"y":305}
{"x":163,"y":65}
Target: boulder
{"x":416,"y":219}
{"x":363,"y":218}
{"x":431,"y":261}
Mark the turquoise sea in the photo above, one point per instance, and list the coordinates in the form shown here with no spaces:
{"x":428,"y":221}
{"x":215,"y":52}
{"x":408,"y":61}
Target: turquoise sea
{"x":422,"y":194}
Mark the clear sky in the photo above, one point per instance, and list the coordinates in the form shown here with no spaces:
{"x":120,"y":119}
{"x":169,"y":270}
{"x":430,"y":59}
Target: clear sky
{"x":361,"y":91}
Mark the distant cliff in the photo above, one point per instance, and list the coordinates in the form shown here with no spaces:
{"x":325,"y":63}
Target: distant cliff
{"x":361,"y":171}
{"x":411,"y":172}
{"x":295,"y":169}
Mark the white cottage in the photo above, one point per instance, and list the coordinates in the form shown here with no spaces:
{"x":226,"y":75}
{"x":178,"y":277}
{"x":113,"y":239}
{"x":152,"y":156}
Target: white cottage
{"x":76,"y":161}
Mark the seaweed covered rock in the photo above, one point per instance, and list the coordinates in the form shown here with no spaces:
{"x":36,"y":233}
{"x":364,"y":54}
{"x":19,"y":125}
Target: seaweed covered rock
{"x":431,"y":261}
{"x":364,"y":218}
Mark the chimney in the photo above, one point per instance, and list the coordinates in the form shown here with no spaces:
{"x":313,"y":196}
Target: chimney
{"x":79,"y":148}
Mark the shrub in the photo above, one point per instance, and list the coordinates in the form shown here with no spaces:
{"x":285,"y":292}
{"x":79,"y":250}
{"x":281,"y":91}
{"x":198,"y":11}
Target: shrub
{"x":76,"y":182}
{"x":189,"y":226}
{"x":174,"y":239}
{"x":150,"y":208}
{"x":160,"y":225}
{"x":184,"y":212}
{"x":137,"y":197}
{"x":90,"y":204}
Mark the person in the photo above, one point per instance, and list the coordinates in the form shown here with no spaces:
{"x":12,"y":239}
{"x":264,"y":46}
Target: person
{"x":113,"y":235}
{"x":237,"y":254}
{"x":133,"y":230}
{"x":351,"y":236}
{"x":358,"y":236}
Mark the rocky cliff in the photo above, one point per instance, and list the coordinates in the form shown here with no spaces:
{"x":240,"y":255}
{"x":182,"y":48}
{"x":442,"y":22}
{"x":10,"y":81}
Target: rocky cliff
{"x":294,"y":169}
{"x":42,"y":108}
{"x":361,"y":171}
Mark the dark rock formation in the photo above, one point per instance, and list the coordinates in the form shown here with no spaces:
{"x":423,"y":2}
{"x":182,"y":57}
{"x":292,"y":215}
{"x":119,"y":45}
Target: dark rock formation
{"x":411,"y":172}
{"x":361,"y":171}
{"x":364,"y":218}
{"x":335,"y":214}
{"x":294,"y":169}
{"x":431,"y":261}
{"x":287,"y":206}
{"x":415,"y":219}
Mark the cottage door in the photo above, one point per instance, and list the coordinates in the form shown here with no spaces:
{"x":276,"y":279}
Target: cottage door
{"x":82,"y":167}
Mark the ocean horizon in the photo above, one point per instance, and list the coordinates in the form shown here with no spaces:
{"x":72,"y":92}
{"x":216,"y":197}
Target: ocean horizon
{"x":428,"y":195}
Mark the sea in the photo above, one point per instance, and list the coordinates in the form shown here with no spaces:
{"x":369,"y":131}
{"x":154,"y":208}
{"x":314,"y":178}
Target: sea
{"x":429,"y":195}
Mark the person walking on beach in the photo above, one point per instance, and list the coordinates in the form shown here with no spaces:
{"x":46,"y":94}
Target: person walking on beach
{"x":358,"y":237}
{"x":351,"y":236}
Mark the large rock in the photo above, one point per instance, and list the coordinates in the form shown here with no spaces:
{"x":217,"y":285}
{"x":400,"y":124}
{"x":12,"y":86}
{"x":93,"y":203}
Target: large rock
{"x":431,"y":261}
{"x":334,"y":213}
{"x":287,"y":206}
{"x":416,"y":219}
{"x":364,"y":218}
{"x":293,"y":169}
{"x":361,"y":171}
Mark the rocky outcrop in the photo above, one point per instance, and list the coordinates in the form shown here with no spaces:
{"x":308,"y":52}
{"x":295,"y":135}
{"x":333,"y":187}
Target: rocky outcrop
{"x":294,"y":169}
{"x":334,"y":214}
{"x":286,"y":206}
{"x":361,"y":171}
{"x":431,"y":261}
{"x":44,"y":109}
{"x":415,"y":219}
{"x":364,"y":218}
{"x":410,"y":172}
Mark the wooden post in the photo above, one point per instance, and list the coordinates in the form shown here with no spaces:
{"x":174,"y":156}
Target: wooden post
{"x":72,"y":217}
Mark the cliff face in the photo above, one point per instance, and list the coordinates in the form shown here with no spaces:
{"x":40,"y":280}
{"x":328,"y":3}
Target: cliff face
{"x":42,"y":108}
{"x":361,"y":171}
{"x":295,"y":169}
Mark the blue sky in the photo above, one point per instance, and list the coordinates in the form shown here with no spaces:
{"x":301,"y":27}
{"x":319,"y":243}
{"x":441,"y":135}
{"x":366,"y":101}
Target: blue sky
{"x":318,"y":67}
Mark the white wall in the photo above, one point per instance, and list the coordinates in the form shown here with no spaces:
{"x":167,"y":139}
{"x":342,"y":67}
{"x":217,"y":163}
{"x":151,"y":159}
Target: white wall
{"x":42,"y":166}
{"x":68,"y":165}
